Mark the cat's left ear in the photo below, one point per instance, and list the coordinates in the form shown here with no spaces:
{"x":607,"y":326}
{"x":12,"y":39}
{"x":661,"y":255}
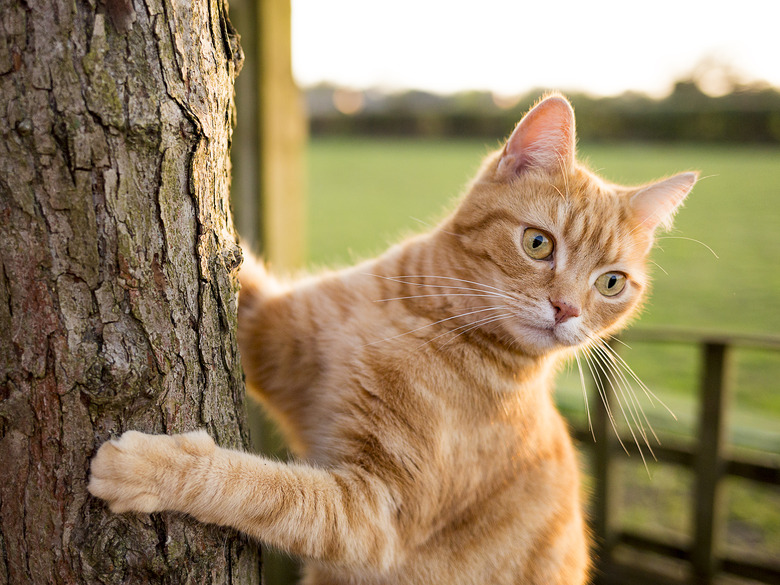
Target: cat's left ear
{"x":656,"y":205}
{"x":544,"y":139}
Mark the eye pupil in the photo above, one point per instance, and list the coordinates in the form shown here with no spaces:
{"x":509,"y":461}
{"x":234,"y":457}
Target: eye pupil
{"x":612,"y":281}
{"x":538,"y":241}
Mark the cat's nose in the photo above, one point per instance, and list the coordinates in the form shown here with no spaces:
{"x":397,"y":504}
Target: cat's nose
{"x":564,"y":311}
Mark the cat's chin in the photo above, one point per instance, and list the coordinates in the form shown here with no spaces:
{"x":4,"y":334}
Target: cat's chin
{"x":538,"y":341}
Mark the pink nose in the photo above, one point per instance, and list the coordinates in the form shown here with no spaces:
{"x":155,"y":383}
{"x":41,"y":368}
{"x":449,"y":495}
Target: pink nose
{"x":564,"y":311}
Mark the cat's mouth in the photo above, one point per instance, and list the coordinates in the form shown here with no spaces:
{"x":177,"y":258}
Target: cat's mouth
{"x":562,"y":334}
{"x":542,"y":338}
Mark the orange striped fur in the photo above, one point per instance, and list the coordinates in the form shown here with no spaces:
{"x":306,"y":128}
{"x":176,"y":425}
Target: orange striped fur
{"x":415,"y":389}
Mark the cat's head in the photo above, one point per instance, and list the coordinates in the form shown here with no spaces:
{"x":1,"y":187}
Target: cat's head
{"x":569,"y":250}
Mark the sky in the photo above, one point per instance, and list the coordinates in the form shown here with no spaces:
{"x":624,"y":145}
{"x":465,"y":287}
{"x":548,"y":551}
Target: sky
{"x":603,"y":47}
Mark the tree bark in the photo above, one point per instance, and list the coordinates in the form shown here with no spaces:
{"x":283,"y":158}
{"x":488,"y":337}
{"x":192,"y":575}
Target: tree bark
{"x":117,"y":277}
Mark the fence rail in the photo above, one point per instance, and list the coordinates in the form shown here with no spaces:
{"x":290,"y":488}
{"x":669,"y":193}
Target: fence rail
{"x":708,"y":459}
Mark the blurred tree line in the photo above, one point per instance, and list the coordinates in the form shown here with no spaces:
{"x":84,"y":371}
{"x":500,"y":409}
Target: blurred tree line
{"x":743,"y":113}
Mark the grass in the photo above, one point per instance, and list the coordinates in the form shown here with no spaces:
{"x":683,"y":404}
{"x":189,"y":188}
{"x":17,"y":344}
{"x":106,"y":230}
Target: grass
{"x":719,"y":270}
{"x":366,"y":194}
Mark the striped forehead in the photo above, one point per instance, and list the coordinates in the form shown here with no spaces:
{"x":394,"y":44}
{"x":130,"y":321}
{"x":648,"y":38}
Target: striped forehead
{"x":595,"y":227}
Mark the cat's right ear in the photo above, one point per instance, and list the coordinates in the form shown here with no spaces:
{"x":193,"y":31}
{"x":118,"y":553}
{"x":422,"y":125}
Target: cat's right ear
{"x":544,"y":139}
{"x":656,"y":204}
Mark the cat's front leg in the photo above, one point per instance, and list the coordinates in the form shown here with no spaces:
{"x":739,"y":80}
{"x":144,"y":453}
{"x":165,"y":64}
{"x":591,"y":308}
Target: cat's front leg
{"x":346,"y":515}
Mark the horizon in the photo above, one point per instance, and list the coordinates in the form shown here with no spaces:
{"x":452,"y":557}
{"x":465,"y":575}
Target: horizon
{"x":362,"y":46}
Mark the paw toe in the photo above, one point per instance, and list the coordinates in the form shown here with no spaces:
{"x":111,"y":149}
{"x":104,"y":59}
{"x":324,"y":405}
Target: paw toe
{"x":195,"y":443}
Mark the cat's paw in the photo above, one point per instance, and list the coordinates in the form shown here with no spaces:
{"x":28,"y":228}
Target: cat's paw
{"x":146,"y":473}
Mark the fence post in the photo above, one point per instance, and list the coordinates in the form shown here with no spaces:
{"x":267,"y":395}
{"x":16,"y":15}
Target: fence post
{"x":283,"y":135}
{"x":606,"y":496}
{"x":709,"y":462}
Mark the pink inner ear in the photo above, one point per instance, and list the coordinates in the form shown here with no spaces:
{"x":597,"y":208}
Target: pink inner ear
{"x":544,"y":138}
{"x":656,"y":205}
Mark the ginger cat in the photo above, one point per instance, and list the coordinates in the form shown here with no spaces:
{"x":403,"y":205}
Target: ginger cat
{"x":415,"y":389}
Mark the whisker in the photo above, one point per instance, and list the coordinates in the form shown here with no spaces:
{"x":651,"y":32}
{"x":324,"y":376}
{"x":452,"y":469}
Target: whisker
{"x":618,"y":368}
{"x":616,"y":356}
{"x":494,"y":319}
{"x":499,"y":294}
{"x":621,"y":388}
{"x":479,"y":310}
{"x":476,"y":323}
{"x":649,"y":393}
{"x":470,"y":326}
{"x":602,"y":393}
{"x":690,"y":240}
{"x":661,"y":268}
{"x":449,"y":287}
{"x":585,"y":394}
{"x":613,"y":338}
{"x":493,"y":296}
{"x":640,"y":409}
{"x":616,"y":392}
{"x":620,"y":384}
{"x":396,"y":279}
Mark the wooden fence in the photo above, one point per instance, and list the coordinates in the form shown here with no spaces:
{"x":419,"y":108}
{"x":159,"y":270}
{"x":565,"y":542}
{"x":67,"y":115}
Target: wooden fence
{"x":710,"y":463}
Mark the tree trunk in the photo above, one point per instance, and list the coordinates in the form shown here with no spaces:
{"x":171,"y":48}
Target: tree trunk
{"x":117,"y":277}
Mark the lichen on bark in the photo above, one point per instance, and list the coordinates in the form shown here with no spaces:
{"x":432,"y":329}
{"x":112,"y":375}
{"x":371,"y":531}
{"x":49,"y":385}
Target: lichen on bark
{"x":117,"y":278}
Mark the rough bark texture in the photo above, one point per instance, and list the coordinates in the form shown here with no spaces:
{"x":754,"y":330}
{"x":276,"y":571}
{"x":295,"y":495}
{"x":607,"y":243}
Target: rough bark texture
{"x":117,"y":277}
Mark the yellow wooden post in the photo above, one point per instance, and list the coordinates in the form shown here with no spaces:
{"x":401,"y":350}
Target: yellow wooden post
{"x":283,"y":136}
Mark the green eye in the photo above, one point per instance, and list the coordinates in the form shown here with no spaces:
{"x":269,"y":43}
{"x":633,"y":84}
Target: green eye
{"x":537,"y":244}
{"x":611,"y":283}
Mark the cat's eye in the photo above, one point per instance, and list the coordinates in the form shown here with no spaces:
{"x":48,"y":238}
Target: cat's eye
{"x":537,"y":244}
{"x":611,"y":283}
